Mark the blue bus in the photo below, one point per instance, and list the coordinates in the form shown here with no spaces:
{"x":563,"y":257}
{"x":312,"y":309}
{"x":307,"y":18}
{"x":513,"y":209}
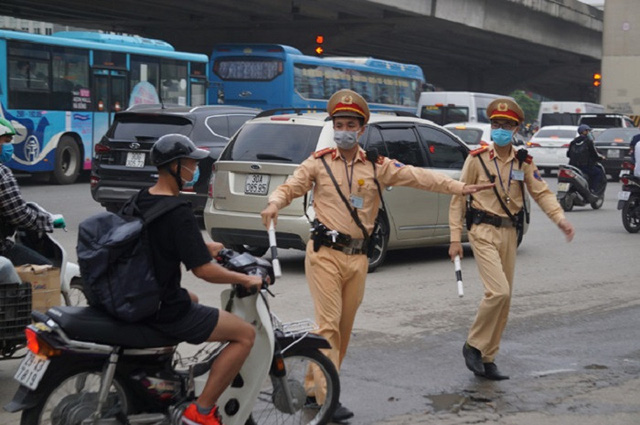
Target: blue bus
{"x":60,"y":92}
{"x":269,"y":76}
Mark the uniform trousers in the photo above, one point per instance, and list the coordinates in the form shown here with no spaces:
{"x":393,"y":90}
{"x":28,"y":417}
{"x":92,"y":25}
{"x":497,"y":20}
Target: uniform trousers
{"x":494,"y":249}
{"x":336,"y":282}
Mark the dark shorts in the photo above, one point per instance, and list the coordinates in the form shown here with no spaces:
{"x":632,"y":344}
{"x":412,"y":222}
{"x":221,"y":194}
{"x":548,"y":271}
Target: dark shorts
{"x":194,"y":327}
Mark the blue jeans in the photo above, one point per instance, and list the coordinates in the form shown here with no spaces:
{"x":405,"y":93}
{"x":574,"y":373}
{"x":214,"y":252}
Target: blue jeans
{"x":594,"y":175}
{"x":8,"y":272}
{"x":20,"y":254}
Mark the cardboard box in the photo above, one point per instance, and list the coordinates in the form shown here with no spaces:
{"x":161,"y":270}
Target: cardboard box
{"x":45,"y":285}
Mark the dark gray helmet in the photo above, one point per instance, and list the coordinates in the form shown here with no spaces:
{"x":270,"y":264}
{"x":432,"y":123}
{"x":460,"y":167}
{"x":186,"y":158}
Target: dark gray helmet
{"x":582,"y":128}
{"x":174,"y":146}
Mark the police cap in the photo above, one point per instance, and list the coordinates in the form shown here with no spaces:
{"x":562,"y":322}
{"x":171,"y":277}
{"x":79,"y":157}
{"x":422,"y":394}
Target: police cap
{"x":506,"y":109}
{"x":347,"y":103}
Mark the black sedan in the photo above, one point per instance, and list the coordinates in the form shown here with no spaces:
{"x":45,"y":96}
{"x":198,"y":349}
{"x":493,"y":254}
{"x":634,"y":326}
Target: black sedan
{"x":613,"y":143}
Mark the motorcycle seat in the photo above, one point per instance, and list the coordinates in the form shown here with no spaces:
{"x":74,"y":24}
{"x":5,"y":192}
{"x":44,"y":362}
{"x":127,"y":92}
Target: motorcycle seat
{"x":90,"y":324}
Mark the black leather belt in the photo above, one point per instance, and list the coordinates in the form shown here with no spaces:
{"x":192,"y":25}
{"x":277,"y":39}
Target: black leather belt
{"x":495,"y":220}
{"x":354,"y":247}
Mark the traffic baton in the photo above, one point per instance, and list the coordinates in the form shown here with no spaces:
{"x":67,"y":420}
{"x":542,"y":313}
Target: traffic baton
{"x":277,"y":272}
{"x":456,"y":263}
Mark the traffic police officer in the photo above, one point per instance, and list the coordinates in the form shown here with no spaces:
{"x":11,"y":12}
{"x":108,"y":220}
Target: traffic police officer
{"x":336,"y":261}
{"x":493,"y":217}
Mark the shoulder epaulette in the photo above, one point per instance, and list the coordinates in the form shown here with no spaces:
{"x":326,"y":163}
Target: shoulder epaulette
{"x":478,"y":151}
{"x":380,"y":160}
{"x":529,"y":159}
{"x":323,"y":152}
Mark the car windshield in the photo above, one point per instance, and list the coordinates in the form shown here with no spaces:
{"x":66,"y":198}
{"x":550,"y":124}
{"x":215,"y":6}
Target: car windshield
{"x":617,"y":135}
{"x":273,"y":142}
{"x":143,"y":127}
{"x":556,"y":134}
{"x":471,"y":136}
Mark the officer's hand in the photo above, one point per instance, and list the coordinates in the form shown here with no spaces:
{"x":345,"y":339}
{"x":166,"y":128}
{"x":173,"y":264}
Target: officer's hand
{"x":269,"y":214}
{"x":455,"y":249}
{"x":567,"y":229}
{"x":468,"y":189}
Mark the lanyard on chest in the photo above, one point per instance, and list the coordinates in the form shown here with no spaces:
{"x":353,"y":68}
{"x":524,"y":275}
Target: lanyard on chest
{"x":507,"y":190}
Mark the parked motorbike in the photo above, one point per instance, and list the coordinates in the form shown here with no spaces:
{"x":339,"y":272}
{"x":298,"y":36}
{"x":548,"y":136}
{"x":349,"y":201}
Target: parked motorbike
{"x":573,"y":188}
{"x":85,"y":367}
{"x":629,"y":200}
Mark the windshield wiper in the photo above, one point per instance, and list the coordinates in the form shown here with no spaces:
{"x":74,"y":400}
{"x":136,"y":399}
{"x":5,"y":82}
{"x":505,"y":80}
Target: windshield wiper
{"x":272,"y":156}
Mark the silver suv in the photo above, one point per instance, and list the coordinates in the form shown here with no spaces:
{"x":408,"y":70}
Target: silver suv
{"x":267,"y":150}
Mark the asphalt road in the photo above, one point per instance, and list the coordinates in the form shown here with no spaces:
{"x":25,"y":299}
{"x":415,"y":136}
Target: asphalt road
{"x":571,"y":346}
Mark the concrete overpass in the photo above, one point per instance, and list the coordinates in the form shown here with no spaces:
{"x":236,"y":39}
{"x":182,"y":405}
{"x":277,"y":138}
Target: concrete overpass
{"x":551,"y":47}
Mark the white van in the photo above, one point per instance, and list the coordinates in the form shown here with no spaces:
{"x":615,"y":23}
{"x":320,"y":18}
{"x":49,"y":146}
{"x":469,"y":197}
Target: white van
{"x":444,"y":107}
{"x":565,"y":113}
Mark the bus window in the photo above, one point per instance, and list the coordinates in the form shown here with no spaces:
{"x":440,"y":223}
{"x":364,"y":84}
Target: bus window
{"x":144,"y":70}
{"x":311,"y":81}
{"x":334,"y":80}
{"x":28,"y":76}
{"x":360,"y":85}
{"x":198,"y":82}
{"x":70,"y":86}
{"x":174,"y":82}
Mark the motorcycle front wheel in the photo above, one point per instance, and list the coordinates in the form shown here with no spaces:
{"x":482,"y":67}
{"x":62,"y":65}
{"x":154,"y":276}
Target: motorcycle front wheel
{"x":272,"y":407}
{"x":631,"y":215}
{"x":72,"y":397}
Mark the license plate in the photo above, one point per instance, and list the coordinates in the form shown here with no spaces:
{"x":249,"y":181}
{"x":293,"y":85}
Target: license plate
{"x":563,"y":187}
{"x":624,"y":173}
{"x":135,"y":159}
{"x":31,"y":370}
{"x":613,"y":153}
{"x":256,"y":184}
{"x":623,"y":196}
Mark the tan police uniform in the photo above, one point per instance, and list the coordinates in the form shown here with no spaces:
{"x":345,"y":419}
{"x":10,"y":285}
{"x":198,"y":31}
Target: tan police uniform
{"x":494,"y":244}
{"x":336,"y":278}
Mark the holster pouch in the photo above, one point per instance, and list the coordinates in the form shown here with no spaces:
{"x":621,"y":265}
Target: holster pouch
{"x":318,"y":231}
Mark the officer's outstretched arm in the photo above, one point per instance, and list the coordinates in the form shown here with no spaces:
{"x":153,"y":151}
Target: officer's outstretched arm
{"x":469,"y":189}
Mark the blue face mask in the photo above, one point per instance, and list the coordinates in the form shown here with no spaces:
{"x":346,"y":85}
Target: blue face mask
{"x":501,"y":137}
{"x":194,"y":179}
{"x":7,"y":153}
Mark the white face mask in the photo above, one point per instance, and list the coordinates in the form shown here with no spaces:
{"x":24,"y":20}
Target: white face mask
{"x":345,"y":139}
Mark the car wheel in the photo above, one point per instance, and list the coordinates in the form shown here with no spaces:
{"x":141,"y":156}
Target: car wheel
{"x":256,"y":251}
{"x":380,"y":241}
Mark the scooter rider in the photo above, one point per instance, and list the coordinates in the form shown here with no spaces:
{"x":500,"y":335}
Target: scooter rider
{"x":175,"y":238}
{"x":15,"y":213}
{"x":583,"y":154}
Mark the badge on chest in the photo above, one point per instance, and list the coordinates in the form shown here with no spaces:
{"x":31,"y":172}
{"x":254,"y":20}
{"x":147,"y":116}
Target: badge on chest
{"x":356,"y":201}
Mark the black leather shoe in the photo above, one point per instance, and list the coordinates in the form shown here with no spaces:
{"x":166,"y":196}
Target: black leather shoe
{"x":491,"y":372}
{"x":341,"y":414}
{"x":473,"y":359}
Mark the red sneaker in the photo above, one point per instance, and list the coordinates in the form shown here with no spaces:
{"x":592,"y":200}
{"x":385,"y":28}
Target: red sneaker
{"x":191,"y":416}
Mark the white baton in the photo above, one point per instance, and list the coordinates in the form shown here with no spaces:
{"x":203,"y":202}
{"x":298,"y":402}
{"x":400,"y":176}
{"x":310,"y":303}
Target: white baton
{"x":456,"y":263}
{"x":277,"y":272}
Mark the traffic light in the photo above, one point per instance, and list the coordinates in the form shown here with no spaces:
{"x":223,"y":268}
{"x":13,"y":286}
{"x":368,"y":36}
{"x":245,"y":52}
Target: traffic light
{"x":319,"y":45}
{"x":597,"y":79}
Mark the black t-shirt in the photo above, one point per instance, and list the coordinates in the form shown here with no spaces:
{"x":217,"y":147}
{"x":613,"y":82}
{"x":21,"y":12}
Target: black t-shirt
{"x":174,"y":238}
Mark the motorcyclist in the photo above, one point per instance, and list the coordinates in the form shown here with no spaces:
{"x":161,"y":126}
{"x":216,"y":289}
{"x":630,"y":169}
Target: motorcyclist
{"x":582,"y":154}
{"x":15,"y":213}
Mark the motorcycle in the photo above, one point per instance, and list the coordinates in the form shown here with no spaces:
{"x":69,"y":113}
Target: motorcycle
{"x":573,"y":188}
{"x":15,"y":298}
{"x":85,"y":367}
{"x":629,"y":200}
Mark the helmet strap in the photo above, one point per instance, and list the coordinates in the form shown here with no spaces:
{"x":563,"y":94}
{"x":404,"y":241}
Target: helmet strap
{"x":176,"y":174}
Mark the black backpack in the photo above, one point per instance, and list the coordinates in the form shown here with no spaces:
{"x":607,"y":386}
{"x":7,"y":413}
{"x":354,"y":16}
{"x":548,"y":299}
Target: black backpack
{"x":580,"y":154}
{"x":116,"y":263}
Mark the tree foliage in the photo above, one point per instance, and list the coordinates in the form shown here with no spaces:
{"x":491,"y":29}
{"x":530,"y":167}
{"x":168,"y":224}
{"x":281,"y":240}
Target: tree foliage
{"x":529,"y":106}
